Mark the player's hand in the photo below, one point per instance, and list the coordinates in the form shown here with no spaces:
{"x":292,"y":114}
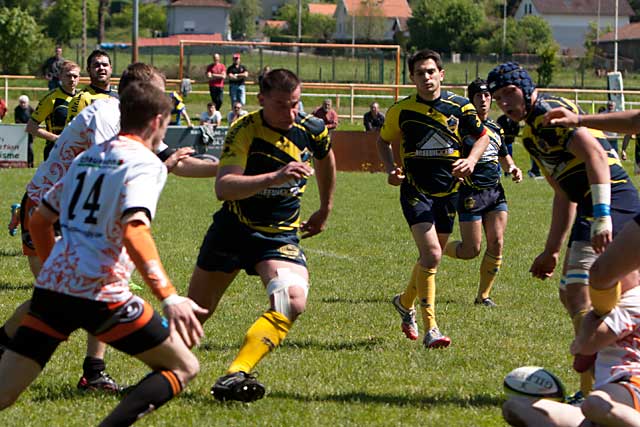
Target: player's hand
{"x":292,"y":171}
{"x":623,"y":155}
{"x":516,"y":174}
{"x":561,"y":117}
{"x":395,"y":177}
{"x":463,"y":167}
{"x":178,"y":155}
{"x":181,"y":313}
{"x":316,"y":224}
{"x":601,"y":233}
{"x":544,"y":265}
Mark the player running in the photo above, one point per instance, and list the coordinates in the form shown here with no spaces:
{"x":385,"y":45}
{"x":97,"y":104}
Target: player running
{"x":432,"y":127}
{"x":481,"y":200}
{"x":105,"y":204}
{"x":264,"y":168}
{"x":591,"y":189}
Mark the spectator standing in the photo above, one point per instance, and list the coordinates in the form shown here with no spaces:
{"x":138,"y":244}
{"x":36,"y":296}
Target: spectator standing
{"x":236,"y":113}
{"x":373,"y":119}
{"x":51,"y":68}
{"x":237,"y":74}
{"x":22,"y":113}
{"x":211,"y":116}
{"x":216,"y":73}
{"x":3,"y":109}
{"x":179,"y":111}
{"x":327,"y":114}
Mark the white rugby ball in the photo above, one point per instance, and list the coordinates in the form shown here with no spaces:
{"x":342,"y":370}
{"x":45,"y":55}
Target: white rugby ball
{"x":534,"y":382}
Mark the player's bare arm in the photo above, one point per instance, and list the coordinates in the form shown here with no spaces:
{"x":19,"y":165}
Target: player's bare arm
{"x":395,"y":175}
{"x":619,"y":121}
{"x":586,"y":148}
{"x":232,"y":184}
{"x":508,"y":165}
{"x":326,"y":177}
{"x":593,"y":336}
{"x":464,"y":166}
{"x":34,"y":129}
{"x":42,"y":231}
{"x":562,"y":216}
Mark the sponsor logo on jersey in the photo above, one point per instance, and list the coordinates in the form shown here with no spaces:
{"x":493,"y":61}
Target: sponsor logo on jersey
{"x":434,"y":144}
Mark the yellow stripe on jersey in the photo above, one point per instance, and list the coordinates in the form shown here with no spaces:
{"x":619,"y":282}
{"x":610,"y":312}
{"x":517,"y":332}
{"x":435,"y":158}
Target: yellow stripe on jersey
{"x":52,"y":110}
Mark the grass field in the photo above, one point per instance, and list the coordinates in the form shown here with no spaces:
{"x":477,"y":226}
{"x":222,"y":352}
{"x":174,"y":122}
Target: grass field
{"x":346,"y":362}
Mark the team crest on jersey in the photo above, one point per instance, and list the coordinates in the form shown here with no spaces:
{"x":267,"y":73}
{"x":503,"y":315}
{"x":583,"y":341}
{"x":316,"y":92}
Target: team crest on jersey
{"x":289,"y":251}
{"x":469,"y":203}
{"x":452,"y":123}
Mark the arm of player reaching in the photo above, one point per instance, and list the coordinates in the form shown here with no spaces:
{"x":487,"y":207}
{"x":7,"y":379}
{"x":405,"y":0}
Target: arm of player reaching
{"x":395,"y":175}
{"x":464,"y":166}
{"x":232,"y":184}
{"x":586,"y":148}
{"x":34,"y":129}
{"x":42,"y":234}
{"x":563,"y":213}
{"x":509,"y":166}
{"x":325,"y":169}
{"x":592,"y":336}
{"x":620,"y":121}
{"x":180,"y":311}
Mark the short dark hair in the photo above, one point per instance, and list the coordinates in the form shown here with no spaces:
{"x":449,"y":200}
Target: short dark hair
{"x":139,"y":103}
{"x":139,"y":72}
{"x":279,"y":79}
{"x":423,"y":55}
{"x":96,"y":53}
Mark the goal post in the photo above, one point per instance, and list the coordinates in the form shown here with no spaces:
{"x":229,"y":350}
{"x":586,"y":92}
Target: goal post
{"x":309,"y":52}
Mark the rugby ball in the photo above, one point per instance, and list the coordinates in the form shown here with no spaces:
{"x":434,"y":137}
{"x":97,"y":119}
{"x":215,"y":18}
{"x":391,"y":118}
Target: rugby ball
{"x":534,"y":382}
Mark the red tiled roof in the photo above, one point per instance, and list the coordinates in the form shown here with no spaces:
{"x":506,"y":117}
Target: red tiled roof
{"x":327,"y":9}
{"x":582,"y":7}
{"x":388,"y":8}
{"x":174,"y":40}
{"x":201,"y":3}
{"x":276,"y":23}
{"x":628,"y":32}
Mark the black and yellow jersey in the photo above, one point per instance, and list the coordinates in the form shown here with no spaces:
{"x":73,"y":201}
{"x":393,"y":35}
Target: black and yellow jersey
{"x":433,"y":134}
{"x":52,"y":109}
{"x":257,"y":147}
{"x":86,"y":97}
{"x":548,"y":147}
{"x":487,"y":171}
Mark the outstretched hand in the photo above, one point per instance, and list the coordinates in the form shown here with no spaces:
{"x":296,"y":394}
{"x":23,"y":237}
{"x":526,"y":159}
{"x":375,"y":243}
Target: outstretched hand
{"x":316,"y":224}
{"x":395,"y":177}
{"x":181,"y":313}
{"x":561,"y":117}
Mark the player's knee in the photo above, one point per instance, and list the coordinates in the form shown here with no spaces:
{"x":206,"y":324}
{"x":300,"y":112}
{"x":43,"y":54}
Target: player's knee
{"x":288,"y":293}
{"x":495,"y":245}
{"x":8,"y":398}
{"x":596,"y":406}
{"x":598,"y":274}
{"x":188,"y":368}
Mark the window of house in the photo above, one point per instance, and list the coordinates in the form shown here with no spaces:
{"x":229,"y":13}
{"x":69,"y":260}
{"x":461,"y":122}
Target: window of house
{"x":189,"y":26}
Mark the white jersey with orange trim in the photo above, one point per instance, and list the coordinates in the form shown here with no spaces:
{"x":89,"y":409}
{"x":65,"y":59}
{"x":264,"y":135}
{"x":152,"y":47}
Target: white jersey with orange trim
{"x":97,"y":123}
{"x":622,"y":358}
{"x":104,"y":183}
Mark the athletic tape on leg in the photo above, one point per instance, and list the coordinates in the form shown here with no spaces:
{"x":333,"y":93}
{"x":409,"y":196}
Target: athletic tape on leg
{"x":278,"y":288}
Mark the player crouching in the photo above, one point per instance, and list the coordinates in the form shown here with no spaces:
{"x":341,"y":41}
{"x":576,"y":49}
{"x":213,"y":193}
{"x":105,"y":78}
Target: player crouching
{"x":105,"y":204}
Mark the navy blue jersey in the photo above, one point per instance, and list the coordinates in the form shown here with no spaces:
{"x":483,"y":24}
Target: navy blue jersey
{"x":487,"y":172}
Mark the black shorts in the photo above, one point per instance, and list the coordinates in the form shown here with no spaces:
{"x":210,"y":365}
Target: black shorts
{"x":131,"y":326}
{"x":230,"y":245}
{"x":625,"y":205}
{"x":418,"y":207}
{"x":474,"y":203}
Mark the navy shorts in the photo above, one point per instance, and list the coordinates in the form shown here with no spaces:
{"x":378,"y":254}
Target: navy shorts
{"x":230,"y":245}
{"x":131,"y":326}
{"x":473,"y":203}
{"x":625,"y":205}
{"x":418,"y":207}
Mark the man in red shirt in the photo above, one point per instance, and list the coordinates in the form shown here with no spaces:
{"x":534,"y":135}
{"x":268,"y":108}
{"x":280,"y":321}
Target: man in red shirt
{"x":327,"y":114}
{"x":216,"y":73}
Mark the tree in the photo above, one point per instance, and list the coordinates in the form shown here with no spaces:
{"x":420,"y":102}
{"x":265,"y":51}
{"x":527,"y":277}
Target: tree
{"x":103,"y":11}
{"x":313,"y":25}
{"x":152,"y":17}
{"x":369,"y":21}
{"x":243,"y":19}
{"x":532,"y":33}
{"x":447,"y":25}
{"x":548,"y":63}
{"x":22,"y":46}
{"x":63,"y":20}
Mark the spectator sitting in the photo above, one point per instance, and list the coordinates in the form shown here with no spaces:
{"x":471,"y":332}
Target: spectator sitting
{"x":22,"y":113}
{"x":211,"y":116}
{"x":179,"y":111}
{"x":373,"y":119}
{"x":236,"y":113}
{"x":327,"y":114}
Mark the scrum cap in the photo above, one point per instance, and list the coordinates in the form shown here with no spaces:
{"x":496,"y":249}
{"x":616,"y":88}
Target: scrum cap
{"x":511,"y":73}
{"x":477,"y":86}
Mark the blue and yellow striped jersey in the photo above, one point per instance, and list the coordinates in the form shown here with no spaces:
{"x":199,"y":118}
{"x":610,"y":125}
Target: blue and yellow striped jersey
{"x":259,"y":148}
{"x":86,"y":97}
{"x":53,"y":109}
{"x":432,"y":135}
{"x":487,"y":171}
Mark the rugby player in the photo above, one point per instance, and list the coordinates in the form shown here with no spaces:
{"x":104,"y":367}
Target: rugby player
{"x":432,"y":126}
{"x":591,"y":190}
{"x":105,"y":204}
{"x":481,"y":199}
{"x":264,"y":168}
{"x":53,"y":108}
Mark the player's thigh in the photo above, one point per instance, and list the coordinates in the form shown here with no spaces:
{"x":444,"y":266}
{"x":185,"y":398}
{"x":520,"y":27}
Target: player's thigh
{"x":471,"y":233}
{"x":426,"y":238}
{"x":495,"y":223}
{"x":270,"y":268}
{"x":207,"y":287}
{"x":618,"y":259}
{"x":173,"y":355}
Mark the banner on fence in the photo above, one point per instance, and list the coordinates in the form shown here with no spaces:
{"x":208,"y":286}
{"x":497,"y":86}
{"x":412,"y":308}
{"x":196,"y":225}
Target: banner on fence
{"x":13,"y":146}
{"x":203,"y":139}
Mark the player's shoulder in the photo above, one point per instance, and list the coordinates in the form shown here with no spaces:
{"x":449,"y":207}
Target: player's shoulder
{"x":492,"y":124}
{"x":454,"y":98}
{"x":311,"y":123}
